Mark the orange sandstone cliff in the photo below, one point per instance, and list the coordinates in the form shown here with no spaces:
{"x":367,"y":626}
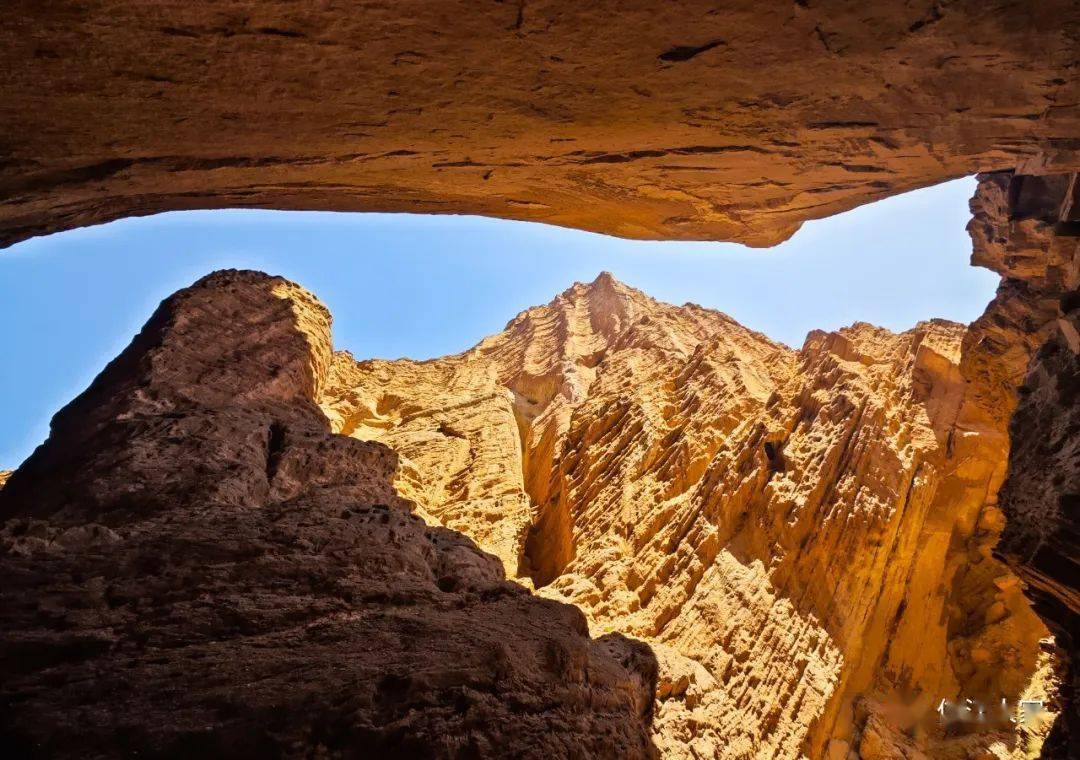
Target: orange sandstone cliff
{"x":802,"y":537}
{"x":811,"y":543}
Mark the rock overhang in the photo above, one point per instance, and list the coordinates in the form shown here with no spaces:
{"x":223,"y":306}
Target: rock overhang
{"x":649,"y":120}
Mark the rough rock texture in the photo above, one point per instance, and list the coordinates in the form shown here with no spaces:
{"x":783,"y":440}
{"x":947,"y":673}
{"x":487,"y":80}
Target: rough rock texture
{"x":802,"y":537}
{"x":1041,"y":496}
{"x":195,"y":566}
{"x":1028,"y":228}
{"x":735,"y":120}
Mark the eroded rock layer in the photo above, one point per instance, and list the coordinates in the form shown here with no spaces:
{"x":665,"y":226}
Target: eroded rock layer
{"x":802,"y":537}
{"x":195,"y":566}
{"x":735,"y":120}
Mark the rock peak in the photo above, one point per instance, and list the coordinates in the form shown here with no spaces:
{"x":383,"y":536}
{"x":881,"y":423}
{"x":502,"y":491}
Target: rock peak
{"x":604,"y":280}
{"x":200,"y":455}
{"x":608,"y":437}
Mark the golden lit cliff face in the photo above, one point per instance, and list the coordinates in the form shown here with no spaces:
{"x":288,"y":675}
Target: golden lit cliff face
{"x":803,"y":537}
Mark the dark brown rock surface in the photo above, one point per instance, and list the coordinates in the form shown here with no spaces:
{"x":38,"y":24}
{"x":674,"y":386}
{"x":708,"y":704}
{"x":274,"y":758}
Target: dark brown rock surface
{"x":193,"y":565}
{"x":1042,"y":502}
{"x":1027,"y":228}
{"x":693,"y":120}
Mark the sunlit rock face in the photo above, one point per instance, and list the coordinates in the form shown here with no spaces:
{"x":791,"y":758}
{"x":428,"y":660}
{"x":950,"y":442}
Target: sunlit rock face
{"x":817,"y":537}
{"x":194,"y":566}
{"x":803,"y":537}
{"x":693,"y":120}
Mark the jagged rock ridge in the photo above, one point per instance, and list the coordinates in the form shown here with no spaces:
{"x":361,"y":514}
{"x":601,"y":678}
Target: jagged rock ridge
{"x":195,"y":566}
{"x":803,"y":537}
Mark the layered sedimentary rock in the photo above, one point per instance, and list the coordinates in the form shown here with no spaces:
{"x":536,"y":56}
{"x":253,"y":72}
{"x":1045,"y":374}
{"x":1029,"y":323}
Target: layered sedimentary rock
{"x":802,"y":537}
{"x":195,"y":566}
{"x":222,"y":547}
{"x":735,"y":120}
{"x":641,"y":119}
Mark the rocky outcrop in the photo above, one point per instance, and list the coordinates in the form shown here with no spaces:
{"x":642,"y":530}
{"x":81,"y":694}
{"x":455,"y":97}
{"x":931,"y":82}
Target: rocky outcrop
{"x":571,"y":446}
{"x":693,"y":120}
{"x":803,"y":537}
{"x":195,"y":566}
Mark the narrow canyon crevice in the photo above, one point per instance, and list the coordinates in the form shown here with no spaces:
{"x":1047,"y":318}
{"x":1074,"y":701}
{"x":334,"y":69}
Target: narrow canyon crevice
{"x":549,"y":546}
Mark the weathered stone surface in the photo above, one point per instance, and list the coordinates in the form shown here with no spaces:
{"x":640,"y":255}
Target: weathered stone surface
{"x":1042,"y":537}
{"x":640,"y":119}
{"x":195,"y":566}
{"x":734,"y":121}
{"x":1028,"y":228}
{"x":802,"y":537}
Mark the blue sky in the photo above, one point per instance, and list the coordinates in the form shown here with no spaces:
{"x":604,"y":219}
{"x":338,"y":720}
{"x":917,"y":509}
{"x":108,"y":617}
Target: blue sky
{"x":423,"y":286}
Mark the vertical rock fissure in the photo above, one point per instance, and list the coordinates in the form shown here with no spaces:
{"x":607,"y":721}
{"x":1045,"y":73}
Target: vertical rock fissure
{"x":275,"y":445}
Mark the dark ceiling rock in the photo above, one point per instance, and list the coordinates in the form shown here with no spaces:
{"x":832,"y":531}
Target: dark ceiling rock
{"x":690,"y":120}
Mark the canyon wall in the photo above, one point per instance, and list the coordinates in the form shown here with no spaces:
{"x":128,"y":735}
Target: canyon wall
{"x":692,"y":120}
{"x":802,"y":537}
{"x":195,"y":566}
{"x":695,"y":120}
{"x":238,"y":541}
{"x":1028,"y":229}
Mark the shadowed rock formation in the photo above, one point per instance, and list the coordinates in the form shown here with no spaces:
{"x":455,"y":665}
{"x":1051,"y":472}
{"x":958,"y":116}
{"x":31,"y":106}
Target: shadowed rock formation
{"x":1028,"y":229}
{"x":1041,"y":495}
{"x":194,"y":566}
{"x":694,"y":120}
